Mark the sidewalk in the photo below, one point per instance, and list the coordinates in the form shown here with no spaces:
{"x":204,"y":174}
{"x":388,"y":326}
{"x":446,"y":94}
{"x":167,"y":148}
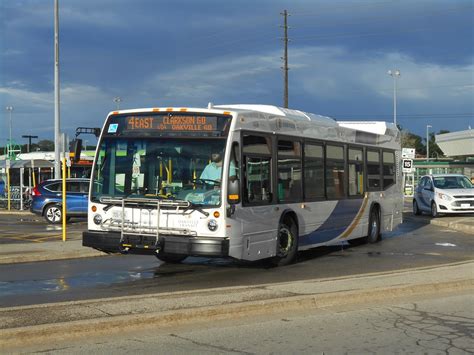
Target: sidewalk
{"x":22,"y":326}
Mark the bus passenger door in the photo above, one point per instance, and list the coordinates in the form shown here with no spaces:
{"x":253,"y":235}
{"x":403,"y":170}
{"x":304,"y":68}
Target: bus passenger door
{"x":257,"y":217}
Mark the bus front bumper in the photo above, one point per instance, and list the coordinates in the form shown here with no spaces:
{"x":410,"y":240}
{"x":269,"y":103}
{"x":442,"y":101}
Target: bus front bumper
{"x":109,"y":242}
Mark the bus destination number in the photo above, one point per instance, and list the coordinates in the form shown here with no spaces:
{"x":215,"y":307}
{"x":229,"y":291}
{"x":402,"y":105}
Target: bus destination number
{"x":172,"y":123}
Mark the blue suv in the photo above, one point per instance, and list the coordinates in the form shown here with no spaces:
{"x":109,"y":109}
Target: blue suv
{"x":47,"y":199}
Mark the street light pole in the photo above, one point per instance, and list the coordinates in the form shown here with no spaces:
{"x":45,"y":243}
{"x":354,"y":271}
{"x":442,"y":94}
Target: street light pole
{"x":428,"y":143}
{"x":10,"y":109}
{"x":57,"y":120}
{"x":118,"y":100}
{"x":394,"y":74}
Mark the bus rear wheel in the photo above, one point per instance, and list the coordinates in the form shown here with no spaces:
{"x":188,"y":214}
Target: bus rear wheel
{"x":287,"y":243}
{"x":374,"y":226}
{"x":171,"y":258}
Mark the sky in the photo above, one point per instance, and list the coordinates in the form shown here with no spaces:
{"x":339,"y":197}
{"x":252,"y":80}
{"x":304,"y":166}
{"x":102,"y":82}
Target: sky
{"x":186,"y":53}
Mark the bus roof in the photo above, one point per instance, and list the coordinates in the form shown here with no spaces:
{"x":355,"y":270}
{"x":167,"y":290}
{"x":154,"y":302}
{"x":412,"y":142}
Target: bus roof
{"x":375,"y":127}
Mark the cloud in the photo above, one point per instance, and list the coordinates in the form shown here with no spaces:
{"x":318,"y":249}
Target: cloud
{"x":332,"y":72}
{"x":201,"y":82}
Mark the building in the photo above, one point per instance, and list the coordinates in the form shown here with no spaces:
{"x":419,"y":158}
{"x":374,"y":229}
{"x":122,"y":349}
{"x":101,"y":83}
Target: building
{"x":457,"y":145}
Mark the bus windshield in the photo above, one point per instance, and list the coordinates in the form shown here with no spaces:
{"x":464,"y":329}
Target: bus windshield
{"x":165,"y":168}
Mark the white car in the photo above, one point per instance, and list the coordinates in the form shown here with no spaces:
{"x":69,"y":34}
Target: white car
{"x":444,"y":193}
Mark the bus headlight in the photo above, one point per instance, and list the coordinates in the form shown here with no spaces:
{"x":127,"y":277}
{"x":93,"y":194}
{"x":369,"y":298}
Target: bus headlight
{"x":212,"y":225}
{"x":97,"y":219}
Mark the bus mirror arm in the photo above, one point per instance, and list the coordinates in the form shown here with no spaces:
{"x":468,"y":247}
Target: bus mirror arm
{"x":230,"y":210}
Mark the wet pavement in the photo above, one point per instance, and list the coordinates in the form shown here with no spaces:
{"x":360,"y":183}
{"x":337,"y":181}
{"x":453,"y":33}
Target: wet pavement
{"x":412,"y":245}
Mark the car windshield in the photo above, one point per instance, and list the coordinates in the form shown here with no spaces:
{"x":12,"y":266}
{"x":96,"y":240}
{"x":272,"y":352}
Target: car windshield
{"x":452,"y":182}
{"x":185,"y":169}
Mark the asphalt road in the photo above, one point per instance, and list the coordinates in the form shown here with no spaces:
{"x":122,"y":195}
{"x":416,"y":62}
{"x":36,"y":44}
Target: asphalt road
{"x":413,"y":245}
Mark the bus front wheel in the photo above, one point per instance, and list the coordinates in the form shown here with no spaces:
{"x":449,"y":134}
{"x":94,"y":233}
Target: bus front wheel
{"x":287,"y":244}
{"x":171,"y":258}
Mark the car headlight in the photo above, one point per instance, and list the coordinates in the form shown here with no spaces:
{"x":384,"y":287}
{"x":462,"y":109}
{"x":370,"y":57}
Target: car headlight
{"x":212,"y":225}
{"x":97,"y":219}
{"x":444,"y":196}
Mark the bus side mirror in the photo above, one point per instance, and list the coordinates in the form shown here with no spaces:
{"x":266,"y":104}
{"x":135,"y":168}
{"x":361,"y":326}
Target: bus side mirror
{"x":233,"y":195}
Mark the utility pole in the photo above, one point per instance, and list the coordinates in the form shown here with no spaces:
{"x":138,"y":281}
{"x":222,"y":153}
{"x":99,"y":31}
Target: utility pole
{"x":57,"y":135}
{"x":285,"y":57}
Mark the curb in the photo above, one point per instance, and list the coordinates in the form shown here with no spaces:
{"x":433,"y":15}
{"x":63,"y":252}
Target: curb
{"x":454,"y":225}
{"x":24,"y":258}
{"x":274,"y":303}
{"x":460,"y":227}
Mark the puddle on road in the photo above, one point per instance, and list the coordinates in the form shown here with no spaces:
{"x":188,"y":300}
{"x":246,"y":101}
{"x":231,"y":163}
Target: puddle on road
{"x":377,"y":253}
{"x":10,"y":288}
{"x":28,"y":220}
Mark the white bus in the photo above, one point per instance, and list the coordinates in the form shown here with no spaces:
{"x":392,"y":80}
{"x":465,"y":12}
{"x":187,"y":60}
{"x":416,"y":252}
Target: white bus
{"x":247,"y":182}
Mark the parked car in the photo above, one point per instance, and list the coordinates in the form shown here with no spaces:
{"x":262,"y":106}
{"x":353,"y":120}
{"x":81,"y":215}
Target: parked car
{"x":448,"y":193}
{"x":47,"y":199}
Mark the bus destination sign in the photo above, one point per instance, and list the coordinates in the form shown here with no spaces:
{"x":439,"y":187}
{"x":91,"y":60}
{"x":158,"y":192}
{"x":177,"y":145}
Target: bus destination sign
{"x":175,"y":123}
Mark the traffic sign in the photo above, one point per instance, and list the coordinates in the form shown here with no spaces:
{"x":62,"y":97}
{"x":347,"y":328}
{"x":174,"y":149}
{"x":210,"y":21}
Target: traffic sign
{"x":407,"y":166}
{"x":408,"y":153}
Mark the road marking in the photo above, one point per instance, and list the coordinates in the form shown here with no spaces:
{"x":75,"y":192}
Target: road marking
{"x":446,"y":244}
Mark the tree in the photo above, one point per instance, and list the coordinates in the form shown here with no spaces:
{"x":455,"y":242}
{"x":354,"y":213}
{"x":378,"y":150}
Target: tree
{"x":435,"y":150}
{"x":410,"y":140}
{"x":46,"y":145}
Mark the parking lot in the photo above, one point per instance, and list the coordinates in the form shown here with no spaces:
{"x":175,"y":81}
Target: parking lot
{"x":24,"y":227}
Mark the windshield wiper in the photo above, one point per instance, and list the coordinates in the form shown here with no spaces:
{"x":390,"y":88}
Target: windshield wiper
{"x":196,"y":207}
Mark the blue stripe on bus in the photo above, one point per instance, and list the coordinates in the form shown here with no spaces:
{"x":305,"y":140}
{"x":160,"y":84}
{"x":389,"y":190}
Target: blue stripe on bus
{"x":337,"y":222}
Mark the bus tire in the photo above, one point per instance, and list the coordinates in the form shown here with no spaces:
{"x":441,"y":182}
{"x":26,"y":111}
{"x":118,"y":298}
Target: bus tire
{"x":374,"y":225}
{"x":171,"y":258}
{"x":287,"y":243}
{"x":53,"y":214}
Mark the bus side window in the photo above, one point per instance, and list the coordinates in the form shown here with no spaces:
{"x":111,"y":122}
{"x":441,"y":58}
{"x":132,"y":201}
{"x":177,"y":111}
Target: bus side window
{"x":388,"y":169}
{"x":314,"y":171}
{"x":373,"y":170}
{"x":355,"y":171}
{"x":289,"y":170}
{"x":335,"y":172}
{"x":233,"y":183}
{"x":257,"y":184}
{"x":234,"y":163}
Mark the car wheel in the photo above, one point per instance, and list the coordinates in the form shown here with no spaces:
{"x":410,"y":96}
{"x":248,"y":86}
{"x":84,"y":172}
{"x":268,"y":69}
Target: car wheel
{"x":53,"y":214}
{"x":416,"y":209}
{"x":171,"y":258}
{"x":374,"y":226}
{"x":434,"y":210}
